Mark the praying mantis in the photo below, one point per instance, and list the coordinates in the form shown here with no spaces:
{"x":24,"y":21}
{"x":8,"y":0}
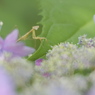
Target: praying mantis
{"x":33,"y":34}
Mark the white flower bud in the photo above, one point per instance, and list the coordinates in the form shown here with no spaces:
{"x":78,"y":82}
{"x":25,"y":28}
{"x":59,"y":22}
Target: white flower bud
{"x":94,"y":18}
{"x":1,"y":24}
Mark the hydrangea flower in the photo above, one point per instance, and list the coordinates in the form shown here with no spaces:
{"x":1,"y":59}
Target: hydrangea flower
{"x":6,"y":84}
{"x":20,"y":69}
{"x":57,"y":86}
{"x":65,"y":59}
{"x":86,"y":42}
{"x":11,"y":45}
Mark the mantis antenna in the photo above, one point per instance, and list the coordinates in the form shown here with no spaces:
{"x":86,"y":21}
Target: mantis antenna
{"x":34,"y":28}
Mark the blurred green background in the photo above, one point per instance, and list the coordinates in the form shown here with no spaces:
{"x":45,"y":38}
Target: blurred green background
{"x":20,"y":14}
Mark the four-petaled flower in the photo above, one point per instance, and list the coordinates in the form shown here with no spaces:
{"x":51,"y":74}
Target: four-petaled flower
{"x":11,"y":45}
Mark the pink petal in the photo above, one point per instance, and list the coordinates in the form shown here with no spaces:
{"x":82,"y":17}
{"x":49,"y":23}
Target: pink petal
{"x":46,"y":74}
{"x":11,"y":38}
{"x":38,"y":62}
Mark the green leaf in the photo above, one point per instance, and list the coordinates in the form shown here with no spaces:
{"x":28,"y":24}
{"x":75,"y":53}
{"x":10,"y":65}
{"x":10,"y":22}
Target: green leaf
{"x":65,"y":20}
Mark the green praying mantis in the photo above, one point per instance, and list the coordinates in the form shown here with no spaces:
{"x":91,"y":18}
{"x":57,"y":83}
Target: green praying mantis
{"x":34,"y":28}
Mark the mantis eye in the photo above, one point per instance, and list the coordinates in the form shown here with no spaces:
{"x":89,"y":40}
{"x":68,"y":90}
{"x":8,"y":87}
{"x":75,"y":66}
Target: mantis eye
{"x":35,"y":27}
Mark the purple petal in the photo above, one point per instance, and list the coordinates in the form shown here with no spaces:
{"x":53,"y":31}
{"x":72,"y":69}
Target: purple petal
{"x":6,"y":85}
{"x":1,"y":42}
{"x":11,"y":38}
{"x":16,"y":48}
{"x":13,"y":46}
{"x":25,"y":51}
{"x":92,"y":91}
{"x":38,"y":62}
{"x":19,"y":49}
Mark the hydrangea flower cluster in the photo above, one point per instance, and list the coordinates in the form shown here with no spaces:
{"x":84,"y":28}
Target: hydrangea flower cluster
{"x":20,"y":73}
{"x":87,"y":42}
{"x":69,"y":85}
{"x":61,"y":86}
{"x":66,"y":58}
{"x":20,"y":69}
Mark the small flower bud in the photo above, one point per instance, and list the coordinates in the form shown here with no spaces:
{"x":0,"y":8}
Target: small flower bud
{"x":1,"y":24}
{"x":94,"y":18}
